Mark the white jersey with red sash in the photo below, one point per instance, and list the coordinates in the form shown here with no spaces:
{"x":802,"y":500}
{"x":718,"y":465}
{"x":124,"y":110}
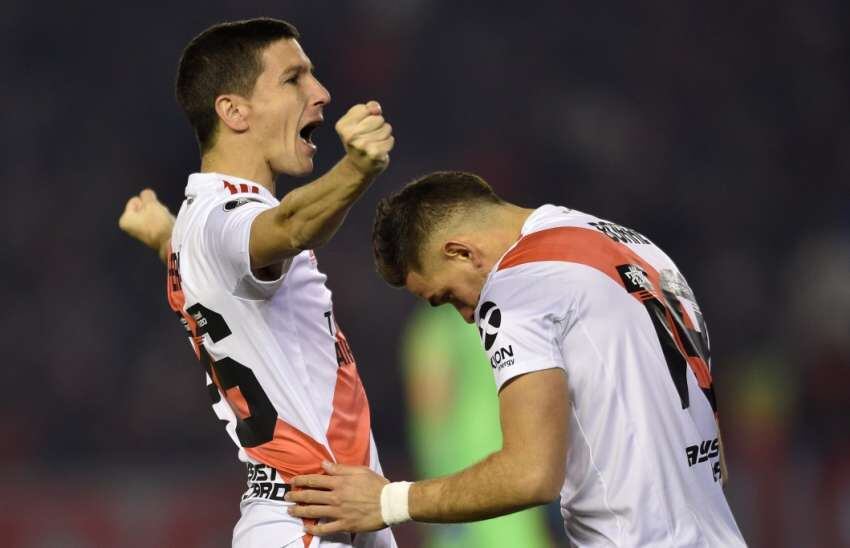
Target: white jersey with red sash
{"x":607,"y":306}
{"x":278,"y":367}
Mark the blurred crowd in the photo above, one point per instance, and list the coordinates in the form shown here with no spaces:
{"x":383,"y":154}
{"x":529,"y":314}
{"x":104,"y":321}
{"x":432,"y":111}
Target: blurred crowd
{"x":721,"y":130}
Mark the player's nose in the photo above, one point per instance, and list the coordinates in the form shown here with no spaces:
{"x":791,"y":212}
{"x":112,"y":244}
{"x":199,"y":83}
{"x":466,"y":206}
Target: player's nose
{"x":321,"y":95}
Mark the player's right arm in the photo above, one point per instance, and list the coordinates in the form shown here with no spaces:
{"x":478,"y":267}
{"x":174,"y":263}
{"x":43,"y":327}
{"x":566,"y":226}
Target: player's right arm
{"x":310,"y":215}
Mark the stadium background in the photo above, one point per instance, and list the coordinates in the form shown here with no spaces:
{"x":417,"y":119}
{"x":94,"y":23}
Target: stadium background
{"x":719,"y":129}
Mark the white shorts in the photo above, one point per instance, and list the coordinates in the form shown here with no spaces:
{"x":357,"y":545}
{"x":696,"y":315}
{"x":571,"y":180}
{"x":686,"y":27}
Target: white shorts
{"x":266,"y":524}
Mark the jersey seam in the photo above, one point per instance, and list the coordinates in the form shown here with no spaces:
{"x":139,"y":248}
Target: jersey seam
{"x":590,"y":449}
{"x":636,"y":437}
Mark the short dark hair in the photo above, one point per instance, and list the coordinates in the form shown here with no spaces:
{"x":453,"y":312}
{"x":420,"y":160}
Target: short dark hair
{"x":405,"y":220}
{"x":225,"y":58}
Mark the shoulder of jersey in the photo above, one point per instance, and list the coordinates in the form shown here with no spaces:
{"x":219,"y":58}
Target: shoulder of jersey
{"x":229,"y":195}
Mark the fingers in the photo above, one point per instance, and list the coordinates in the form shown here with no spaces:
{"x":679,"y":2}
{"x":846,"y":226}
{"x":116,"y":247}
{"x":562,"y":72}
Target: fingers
{"x":314,"y":481}
{"x":378,"y":133}
{"x":367,"y":125}
{"x":125,"y":221}
{"x":381,"y":149}
{"x":348,"y":127}
{"x":367,"y":137}
{"x":374,"y":107}
{"x":364,"y":141}
{"x":314,"y":511}
{"x":311,"y":496}
{"x":360,"y":111}
{"x":147,"y":220}
{"x":323,"y":529}
{"x":336,"y":469}
{"x":133,"y":204}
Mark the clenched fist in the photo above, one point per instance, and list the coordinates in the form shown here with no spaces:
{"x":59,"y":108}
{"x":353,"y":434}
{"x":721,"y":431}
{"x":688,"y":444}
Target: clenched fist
{"x":147,"y":220}
{"x":367,"y":138}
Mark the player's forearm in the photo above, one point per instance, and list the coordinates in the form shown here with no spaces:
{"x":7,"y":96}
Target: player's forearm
{"x":164,"y":249}
{"x":314,"y":212}
{"x":500,"y":484}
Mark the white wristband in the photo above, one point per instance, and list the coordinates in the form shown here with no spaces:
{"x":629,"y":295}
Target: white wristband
{"x":394,"y":502}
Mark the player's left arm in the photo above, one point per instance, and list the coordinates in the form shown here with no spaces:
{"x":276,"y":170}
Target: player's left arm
{"x":147,"y":220}
{"x":528,"y":470}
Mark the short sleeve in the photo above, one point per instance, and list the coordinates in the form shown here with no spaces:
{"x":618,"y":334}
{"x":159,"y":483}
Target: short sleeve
{"x":227,"y":233}
{"x":521,"y":320}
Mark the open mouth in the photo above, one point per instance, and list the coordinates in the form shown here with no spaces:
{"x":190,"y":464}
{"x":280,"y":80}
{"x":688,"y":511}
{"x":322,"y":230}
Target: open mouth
{"x":306,"y":132}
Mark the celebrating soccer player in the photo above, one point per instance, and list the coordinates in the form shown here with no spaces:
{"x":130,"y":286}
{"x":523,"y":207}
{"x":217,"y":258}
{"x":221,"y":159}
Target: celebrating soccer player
{"x":242,"y":276}
{"x":601,"y":358}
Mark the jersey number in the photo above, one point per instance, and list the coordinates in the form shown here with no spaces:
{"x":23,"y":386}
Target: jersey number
{"x":231,"y":376}
{"x":670,"y":326}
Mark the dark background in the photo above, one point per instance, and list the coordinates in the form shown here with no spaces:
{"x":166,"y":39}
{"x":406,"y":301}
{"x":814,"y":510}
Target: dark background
{"x":721,"y":130}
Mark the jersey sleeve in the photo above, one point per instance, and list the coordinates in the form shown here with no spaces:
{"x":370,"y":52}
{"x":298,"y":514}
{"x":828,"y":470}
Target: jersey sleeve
{"x":521,"y":320}
{"x":227,"y":235}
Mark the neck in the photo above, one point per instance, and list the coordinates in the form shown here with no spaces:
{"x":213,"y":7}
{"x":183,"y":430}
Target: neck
{"x":510,"y":220}
{"x":503,"y":228}
{"x":238,"y":161}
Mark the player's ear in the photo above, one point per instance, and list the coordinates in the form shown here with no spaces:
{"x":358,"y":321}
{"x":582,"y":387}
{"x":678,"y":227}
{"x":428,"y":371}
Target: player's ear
{"x":233,"y":112}
{"x":460,"y":251}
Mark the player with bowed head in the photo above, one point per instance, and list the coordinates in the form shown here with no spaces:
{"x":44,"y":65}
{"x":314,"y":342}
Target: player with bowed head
{"x":242,"y":276}
{"x":600,"y":356}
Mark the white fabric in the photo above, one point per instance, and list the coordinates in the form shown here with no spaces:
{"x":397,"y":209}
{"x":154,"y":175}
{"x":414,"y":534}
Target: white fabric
{"x":269,"y":526}
{"x":282,"y":330}
{"x":628,"y":479}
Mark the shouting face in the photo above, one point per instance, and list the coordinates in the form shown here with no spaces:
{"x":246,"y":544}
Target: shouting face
{"x":285,"y":107}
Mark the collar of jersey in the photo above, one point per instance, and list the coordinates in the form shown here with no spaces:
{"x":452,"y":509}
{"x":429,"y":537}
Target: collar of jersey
{"x":205,"y":182}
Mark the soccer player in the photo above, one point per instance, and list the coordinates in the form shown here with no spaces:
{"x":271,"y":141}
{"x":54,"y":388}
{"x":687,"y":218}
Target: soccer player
{"x":242,"y":276}
{"x":601,"y":358}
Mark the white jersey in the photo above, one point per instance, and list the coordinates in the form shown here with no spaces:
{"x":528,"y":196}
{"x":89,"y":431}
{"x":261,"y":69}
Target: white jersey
{"x":604,"y":304}
{"x":278,"y":368}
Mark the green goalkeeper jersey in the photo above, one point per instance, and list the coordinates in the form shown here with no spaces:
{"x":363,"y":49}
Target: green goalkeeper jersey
{"x":454,"y":415}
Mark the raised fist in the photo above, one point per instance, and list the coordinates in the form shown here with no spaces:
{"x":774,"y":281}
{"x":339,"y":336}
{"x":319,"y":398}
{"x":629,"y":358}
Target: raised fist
{"x":367,"y":138}
{"x":147,"y":220}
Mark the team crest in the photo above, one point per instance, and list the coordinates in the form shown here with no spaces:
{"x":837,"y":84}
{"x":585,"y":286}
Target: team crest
{"x":634,"y":278}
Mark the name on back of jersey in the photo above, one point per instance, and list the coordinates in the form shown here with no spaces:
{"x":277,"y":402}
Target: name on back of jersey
{"x":620,"y":234}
